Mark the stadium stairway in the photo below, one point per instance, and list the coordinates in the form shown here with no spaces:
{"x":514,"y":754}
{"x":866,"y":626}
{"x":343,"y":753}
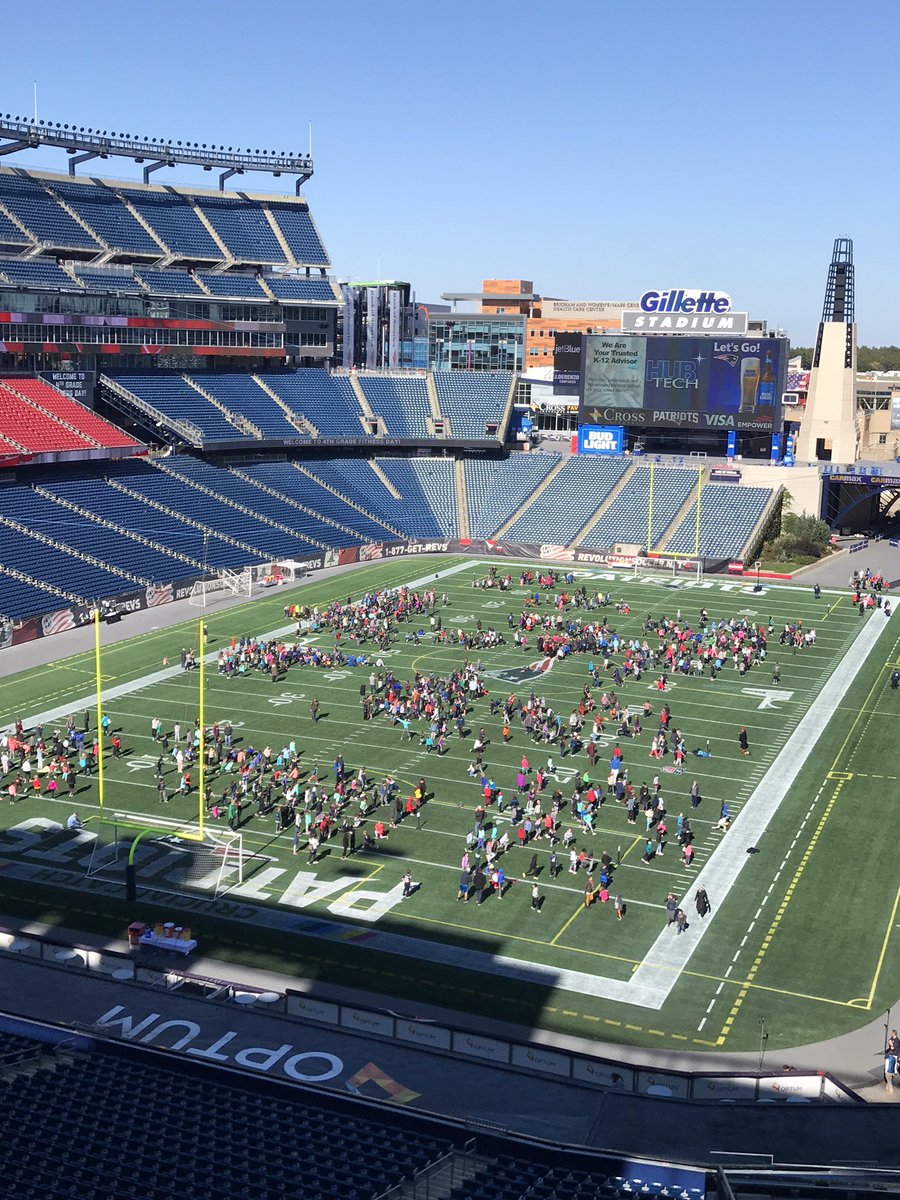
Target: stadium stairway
{"x":89,"y":442}
{"x":36,"y":536}
{"x":204,"y":220}
{"x":352,"y":503}
{"x":436,"y":415}
{"x":78,"y":219}
{"x":265,"y":287}
{"x":535,"y":495}
{"x":242,"y":424}
{"x":508,"y":409}
{"x":462,"y":499}
{"x":121,"y":398}
{"x":690,"y":505}
{"x":347,"y":501}
{"x":607,"y":503}
{"x":384,"y":479}
{"x":304,"y":508}
{"x":146,"y":226}
{"x":241,"y":508}
{"x":299,"y":421}
{"x":120,"y":529}
{"x":185,"y":519}
{"x":367,"y":419}
{"x":279,"y":237}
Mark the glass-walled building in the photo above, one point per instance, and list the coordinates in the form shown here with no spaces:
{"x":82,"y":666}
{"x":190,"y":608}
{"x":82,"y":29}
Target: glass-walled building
{"x":476,"y":341}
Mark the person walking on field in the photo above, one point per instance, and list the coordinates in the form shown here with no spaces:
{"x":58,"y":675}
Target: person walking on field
{"x":744,"y":741}
{"x":701,"y":900}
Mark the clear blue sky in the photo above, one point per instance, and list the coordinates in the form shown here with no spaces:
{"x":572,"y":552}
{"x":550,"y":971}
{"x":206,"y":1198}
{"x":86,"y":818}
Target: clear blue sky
{"x":597,"y":148}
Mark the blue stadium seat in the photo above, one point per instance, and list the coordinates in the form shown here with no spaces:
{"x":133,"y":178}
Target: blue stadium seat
{"x":298,"y":486}
{"x":53,"y":565}
{"x":242,"y":226}
{"x":727,"y":517}
{"x":242,"y":395}
{"x":46,"y":517}
{"x":428,"y":488}
{"x":98,"y":280}
{"x":179,"y":401}
{"x":261,"y":540}
{"x":328,"y":401}
{"x":169,"y":283}
{"x":300,"y":234}
{"x":565,"y":505}
{"x":402,"y":401}
{"x":472,"y":400}
{"x":11,"y":234}
{"x":19,"y":600}
{"x":37,"y":272}
{"x":233,"y":285}
{"x":105,"y":213}
{"x":495,"y":489}
{"x":231,"y":486}
{"x":300,"y":287}
{"x":355,"y":479}
{"x":27,"y":200}
{"x":627,"y":519}
{"x":171,"y":216}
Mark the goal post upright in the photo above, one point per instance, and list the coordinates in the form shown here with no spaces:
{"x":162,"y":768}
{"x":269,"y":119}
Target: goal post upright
{"x":201,"y":772}
{"x":697,"y":523}
{"x":99,"y":684}
{"x":650,"y":511}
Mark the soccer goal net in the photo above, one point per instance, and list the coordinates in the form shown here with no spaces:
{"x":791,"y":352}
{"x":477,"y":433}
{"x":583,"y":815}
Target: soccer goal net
{"x":221,"y":587}
{"x":669,"y":570}
{"x":168,"y":856}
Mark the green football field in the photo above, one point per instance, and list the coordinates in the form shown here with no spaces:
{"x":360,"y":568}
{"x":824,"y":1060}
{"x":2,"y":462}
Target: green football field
{"x":802,"y":935}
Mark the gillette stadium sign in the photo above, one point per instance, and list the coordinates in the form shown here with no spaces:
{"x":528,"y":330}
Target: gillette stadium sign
{"x":683,"y":310}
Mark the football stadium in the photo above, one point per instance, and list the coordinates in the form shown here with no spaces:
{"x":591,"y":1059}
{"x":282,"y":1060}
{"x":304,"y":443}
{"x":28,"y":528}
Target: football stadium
{"x":416,"y":780}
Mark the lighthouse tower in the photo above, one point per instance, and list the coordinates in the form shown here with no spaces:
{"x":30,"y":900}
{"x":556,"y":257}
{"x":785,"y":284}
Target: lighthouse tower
{"x":829,"y":430}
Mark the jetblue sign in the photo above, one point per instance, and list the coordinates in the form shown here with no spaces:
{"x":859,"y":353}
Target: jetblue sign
{"x":684,"y":310}
{"x":601,"y":439}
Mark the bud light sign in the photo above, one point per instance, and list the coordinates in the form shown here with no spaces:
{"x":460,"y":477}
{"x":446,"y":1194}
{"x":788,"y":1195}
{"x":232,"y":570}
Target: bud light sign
{"x":601,"y":439}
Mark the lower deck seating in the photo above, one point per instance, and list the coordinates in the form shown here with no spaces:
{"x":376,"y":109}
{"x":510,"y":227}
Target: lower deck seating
{"x":630,"y":514}
{"x":568,"y":501}
{"x":428,"y":488}
{"x":207,"y":516}
{"x":728,"y":515}
{"x":495,"y":489}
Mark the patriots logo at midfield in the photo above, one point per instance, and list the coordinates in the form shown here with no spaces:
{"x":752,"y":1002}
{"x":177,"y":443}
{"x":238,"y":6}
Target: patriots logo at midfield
{"x":520,"y":675}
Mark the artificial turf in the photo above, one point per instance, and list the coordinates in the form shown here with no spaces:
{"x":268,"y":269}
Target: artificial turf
{"x":803,"y":938}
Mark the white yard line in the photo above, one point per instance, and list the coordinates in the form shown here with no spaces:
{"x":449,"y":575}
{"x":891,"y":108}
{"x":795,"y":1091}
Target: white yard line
{"x":136,"y":685}
{"x":652,"y":982}
{"x":650,"y":985}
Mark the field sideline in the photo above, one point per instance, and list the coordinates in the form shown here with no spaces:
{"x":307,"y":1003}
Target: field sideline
{"x":787,"y":938}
